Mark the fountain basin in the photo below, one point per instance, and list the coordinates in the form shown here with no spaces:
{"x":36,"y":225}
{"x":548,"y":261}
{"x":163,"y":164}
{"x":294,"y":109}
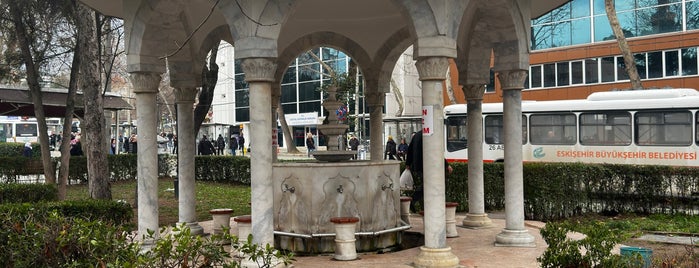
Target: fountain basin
{"x":307,"y":195}
{"x":333,"y":156}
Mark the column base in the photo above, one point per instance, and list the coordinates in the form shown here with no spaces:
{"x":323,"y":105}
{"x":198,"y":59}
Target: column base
{"x":514,"y":238}
{"x":436,"y":257}
{"x":194,"y":228}
{"x":477,"y":221}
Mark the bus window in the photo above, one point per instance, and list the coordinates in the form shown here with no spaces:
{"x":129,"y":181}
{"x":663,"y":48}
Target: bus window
{"x":605,"y":128}
{"x":5,"y":132}
{"x":494,"y":131}
{"x":457,"y":133}
{"x":26,"y":130}
{"x":553,"y":129}
{"x":664,"y":128}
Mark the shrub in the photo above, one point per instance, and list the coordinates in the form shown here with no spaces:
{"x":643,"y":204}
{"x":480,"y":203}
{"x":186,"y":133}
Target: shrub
{"x":27,"y":193}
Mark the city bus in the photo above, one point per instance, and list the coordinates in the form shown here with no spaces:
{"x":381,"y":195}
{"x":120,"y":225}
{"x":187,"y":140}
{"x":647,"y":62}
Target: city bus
{"x":648,"y":127}
{"x":18,"y":129}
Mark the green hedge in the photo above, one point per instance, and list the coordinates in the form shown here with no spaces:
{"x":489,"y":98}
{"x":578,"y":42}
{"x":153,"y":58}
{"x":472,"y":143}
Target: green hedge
{"x":559,"y":190}
{"x":222,"y":169}
{"x":27,"y":193}
{"x":114,"y":212}
{"x":15,"y":149}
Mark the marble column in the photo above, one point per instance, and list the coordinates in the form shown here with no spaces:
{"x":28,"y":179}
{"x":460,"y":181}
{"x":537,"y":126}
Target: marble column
{"x":146,"y":88}
{"x":476,"y":216}
{"x":276,"y":94}
{"x":435,"y":253}
{"x":375,"y":101}
{"x":515,"y":234}
{"x":259,"y":73}
{"x":185,"y":156}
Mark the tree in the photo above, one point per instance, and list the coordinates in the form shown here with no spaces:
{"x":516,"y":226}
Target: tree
{"x":629,"y":62}
{"x":31,"y":23}
{"x":206,"y":95}
{"x":95,"y":141}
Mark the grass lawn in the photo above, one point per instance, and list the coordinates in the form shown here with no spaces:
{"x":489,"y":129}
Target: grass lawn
{"x":210,"y":195}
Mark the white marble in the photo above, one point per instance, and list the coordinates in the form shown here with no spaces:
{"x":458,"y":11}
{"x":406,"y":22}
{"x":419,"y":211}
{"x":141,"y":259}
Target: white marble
{"x":259,"y":73}
{"x":146,"y":88}
{"x":345,"y":249}
{"x":450,"y":220}
{"x":185,"y":157}
{"x":476,"y":195}
{"x":515,"y":233}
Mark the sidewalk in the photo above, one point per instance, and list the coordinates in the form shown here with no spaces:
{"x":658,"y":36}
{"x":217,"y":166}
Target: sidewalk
{"x":473,"y":247}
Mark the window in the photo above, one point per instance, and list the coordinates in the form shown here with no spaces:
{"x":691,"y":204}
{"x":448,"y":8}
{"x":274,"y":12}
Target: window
{"x":608,"y":68}
{"x":664,"y":128}
{"x":307,"y":107}
{"x":655,"y":64}
{"x":591,"y":71}
{"x":457,"y":133}
{"x":288,"y":93}
{"x":289,"y":76}
{"x":640,"y":59}
{"x":672,"y":63}
{"x":562,"y":74}
{"x":550,"y":75}
{"x":242,"y":114}
{"x":689,"y":61}
{"x":494,"y":129}
{"x":309,"y":91}
{"x":27,"y":130}
{"x":692,"y":9}
{"x":621,"y":72}
{"x":576,"y":72}
{"x":553,"y":129}
{"x":605,"y":128}
{"x":535,"y":76}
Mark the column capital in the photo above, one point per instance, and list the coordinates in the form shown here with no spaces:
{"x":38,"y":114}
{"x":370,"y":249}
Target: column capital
{"x":185,"y":94}
{"x":474,"y":91}
{"x":432,"y":68}
{"x":374,"y":99}
{"x":145,"y":82}
{"x":512,"y":79}
{"x":259,"y":69}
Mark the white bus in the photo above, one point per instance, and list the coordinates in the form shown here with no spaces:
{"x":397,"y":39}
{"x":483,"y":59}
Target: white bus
{"x":649,"y":127}
{"x":18,"y":129}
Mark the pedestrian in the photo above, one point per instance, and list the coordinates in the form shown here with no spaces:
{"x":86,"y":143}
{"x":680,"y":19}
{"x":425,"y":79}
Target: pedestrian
{"x":390,"y":151}
{"x":174,"y":144}
{"x":354,"y":145}
{"x":233,"y":145}
{"x":241,"y":144}
{"x":220,"y":145}
{"x":205,"y":146}
{"x":76,"y":148}
{"x":402,"y":149}
{"x":310,"y":143}
{"x":112,"y":148}
{"x":27,"y":152}
{"x":133,"y":144}
{"x":413,"y":162}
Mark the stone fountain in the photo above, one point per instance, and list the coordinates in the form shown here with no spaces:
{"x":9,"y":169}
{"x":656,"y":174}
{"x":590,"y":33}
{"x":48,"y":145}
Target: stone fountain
{"x":334,"y":129}
{"x":308,"y":194}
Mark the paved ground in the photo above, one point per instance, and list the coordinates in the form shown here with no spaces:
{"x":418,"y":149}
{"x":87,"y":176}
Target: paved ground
{"x":473,"y":247}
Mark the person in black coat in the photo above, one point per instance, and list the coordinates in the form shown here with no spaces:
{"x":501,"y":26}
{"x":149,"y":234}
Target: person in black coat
{"x":205,"y":146}
{"x":390,"y":152}
{"x":220,"y":145}
{"x":413,"y":162}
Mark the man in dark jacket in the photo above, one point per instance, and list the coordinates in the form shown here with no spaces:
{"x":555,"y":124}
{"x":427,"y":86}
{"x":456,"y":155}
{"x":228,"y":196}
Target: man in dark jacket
{"x":413,"y":162}
{"x":220,"y":145}
{"x":205,"y":146}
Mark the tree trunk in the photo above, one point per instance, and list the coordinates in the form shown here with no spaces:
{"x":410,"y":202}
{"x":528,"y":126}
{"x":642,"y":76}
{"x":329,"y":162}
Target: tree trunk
{"x":94,"y":122}
{"x":288,"y":136}
{"x":206,"y":96}
{"x":399,"y":97}
{"x":34,"y":89}
{"x":623,"y":45}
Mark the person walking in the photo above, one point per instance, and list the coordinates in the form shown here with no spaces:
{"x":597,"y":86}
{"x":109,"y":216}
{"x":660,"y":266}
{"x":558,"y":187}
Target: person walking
{"x":174,"y":144}
{"x":354,"y":145}
{"x":390,"y":149}
{"x":402,"y":150}
{"x":310,"y":143}
{"x":233,"y":145}
{"x":241,"y":144}
{"x":220,"y":145}
{"x":205,"y":146}
{"x":413,"y":162}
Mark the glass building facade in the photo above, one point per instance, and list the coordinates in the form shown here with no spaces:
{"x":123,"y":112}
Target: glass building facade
{"x":585,"y":21}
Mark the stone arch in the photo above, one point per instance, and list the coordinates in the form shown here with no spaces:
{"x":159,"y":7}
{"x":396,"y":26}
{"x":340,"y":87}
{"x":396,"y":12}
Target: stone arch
{"x":329,"y":39}
{"x":388,"y":55}
{"x":152,"y":31}
{"x":256,"y":31}
{"x":186,"y":71}
{"x":435,"y":35}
